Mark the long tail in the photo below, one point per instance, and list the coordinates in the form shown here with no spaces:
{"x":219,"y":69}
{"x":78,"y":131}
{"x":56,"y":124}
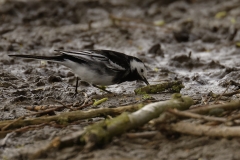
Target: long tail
{"x":50,"y":58}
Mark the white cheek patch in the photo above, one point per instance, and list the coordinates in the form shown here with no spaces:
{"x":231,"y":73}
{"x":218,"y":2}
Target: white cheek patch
{"x":135,"y":64}
{"x":138,"y":65}
{"x":145,"y":74}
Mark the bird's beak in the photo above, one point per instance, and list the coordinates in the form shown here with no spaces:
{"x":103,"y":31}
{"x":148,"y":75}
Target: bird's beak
{"x":145,"y":80}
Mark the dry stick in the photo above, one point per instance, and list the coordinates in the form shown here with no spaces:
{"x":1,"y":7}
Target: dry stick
{"x":45,"y":107}
{"x":197,"y":129}
{"x":64,"y":105}
{"x":45,"y":111}
{"x":197,"y":116}
{"x":232,"y":93}
{"x":40,"y":108}
{"x":68,"y":117}
{"x":227,"y":106}
{"x":233,"y":117}
{"x":31,"y":114}
{"x":82,"y":106}
{"x":23,"y":129}
{"x":203,"y":130}
{"x":217,"y":99}
{"x":11,"y":123}
{"x":147,"y":134}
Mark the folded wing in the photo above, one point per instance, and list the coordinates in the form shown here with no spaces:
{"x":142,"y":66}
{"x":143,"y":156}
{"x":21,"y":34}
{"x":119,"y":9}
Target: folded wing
{"x":96,"y":56}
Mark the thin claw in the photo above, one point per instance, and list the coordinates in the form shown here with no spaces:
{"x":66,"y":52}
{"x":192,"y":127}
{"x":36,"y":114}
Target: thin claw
{"x":101,"y":88}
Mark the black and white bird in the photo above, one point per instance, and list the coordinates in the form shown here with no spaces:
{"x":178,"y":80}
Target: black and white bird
{"x":99,"y":67}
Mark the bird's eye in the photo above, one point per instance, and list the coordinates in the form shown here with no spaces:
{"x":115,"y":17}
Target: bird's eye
{"x":141,"y":70}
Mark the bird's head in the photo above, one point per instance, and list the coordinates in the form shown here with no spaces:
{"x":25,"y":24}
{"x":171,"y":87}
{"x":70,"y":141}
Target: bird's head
{"x":138,"y":66}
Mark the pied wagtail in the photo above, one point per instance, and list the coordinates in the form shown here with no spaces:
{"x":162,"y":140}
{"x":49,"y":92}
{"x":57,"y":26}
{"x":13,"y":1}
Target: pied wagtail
{"x":99,"y":67}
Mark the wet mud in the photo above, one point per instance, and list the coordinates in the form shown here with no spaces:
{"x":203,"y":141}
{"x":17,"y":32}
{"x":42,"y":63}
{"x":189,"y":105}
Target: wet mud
{"x":191,"y":41}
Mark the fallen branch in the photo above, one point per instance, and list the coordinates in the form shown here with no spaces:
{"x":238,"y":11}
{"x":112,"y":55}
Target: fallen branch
{"x":206,"y":109}
{"x":197,"y":116}
{"x":233,"y":117}
{"x":9,"y":124}
{"x":67,"y":117}
{"x":174,"y":87}
{"x":102,"y":132}
{"x":219,"y":96}
{"x":231,"y":93}
{"x":203,"y":130}
{"x":46,"y":111}
{"x":21,"y":130}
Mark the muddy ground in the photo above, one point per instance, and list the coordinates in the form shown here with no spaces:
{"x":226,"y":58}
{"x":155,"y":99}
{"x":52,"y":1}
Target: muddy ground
{"x":194,"y":41}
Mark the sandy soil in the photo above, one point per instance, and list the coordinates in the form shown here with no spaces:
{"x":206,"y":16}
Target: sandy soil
{"x":193,"y":41}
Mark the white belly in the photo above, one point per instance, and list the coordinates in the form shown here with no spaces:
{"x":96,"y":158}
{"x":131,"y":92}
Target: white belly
{"x":87,"y":75}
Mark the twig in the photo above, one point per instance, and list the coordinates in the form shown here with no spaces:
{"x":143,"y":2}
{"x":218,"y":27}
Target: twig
{"x":148,"y":134}
{"x":164,"y":118}
{"x":232,"y":93}
{"x":68,"y":117}
{"x":41,"y":108}
{"x":24,"y":129}
{"x":205,"y":99}
{"x":64,"y":105}
{"x":82,"y":106}
{"x":11,"y":123}
{"x":203,"y":130}
{"x":20,"y":130}
{"x":220,"y":96}
{"x":174,"y":87}
{"x":233,"y":117}
{"x":194,"y":115}
{"x":205,"y":109}
{"x":45,"y":111}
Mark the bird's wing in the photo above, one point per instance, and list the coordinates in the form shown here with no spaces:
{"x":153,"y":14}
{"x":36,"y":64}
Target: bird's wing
{"x":96,"y":56}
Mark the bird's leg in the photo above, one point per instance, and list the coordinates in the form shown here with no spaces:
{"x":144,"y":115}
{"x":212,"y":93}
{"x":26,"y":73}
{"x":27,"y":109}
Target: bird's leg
{"x":101,"y":88}
{"x":76,"y":91}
